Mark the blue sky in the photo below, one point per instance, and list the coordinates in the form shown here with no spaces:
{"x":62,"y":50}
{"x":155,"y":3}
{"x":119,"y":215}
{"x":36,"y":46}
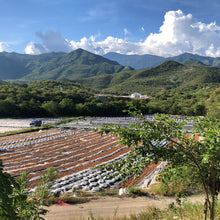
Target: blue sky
{"x":160,"y":27}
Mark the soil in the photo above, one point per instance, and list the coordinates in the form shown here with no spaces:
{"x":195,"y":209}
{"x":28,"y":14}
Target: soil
{"x":108,"y":207}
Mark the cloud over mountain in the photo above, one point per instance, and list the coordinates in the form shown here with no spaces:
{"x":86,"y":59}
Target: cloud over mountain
{"x":179,"y":33}
{"x":4,"y":47}
{"x":51,"y":41}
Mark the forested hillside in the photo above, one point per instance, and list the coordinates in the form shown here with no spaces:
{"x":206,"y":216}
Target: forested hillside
{"x":52,"y":66}
{"x":15,"y":66}
{"x":54,"y":98}
{"x":153,"y":81}
{"x":191,"y":88}
{"x":175,"y":88}
{"x":60,"y":98}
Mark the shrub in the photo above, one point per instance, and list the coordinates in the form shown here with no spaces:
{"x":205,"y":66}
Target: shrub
{"x":137,"y":191}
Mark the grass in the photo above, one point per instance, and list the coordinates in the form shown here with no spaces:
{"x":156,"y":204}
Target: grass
{"x":135,"y":191}
{"x":66,"y":198}
{"x":187,"y":211}
{"x":108,"y":192}
{"x":173,"y":188}
{"x":26,"y":130}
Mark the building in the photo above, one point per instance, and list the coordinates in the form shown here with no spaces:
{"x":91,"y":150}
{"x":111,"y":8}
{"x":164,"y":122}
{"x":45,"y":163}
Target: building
{"x":137,"y":96}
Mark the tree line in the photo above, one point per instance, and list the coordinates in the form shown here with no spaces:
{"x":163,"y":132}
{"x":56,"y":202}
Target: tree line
{"x":65,"y":98}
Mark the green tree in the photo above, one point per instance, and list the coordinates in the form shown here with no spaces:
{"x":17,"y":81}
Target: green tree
{"x":6,"y":189}
{"x":67,"y":107}
{"x":51,"y":107}
{"x":15,"y":199}
{"x":199,"y":151}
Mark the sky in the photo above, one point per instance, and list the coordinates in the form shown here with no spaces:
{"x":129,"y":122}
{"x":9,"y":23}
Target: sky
{"x":159,"y":27}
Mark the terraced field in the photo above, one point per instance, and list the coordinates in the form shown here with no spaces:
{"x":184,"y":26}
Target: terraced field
{"x":72,"y":152}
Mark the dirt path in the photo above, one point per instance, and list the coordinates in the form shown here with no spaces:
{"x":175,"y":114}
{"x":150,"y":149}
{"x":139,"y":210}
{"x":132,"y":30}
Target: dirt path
{"x":108,"y":207}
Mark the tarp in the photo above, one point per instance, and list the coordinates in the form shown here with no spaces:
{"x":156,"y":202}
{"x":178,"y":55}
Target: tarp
{"x":61,"y":203}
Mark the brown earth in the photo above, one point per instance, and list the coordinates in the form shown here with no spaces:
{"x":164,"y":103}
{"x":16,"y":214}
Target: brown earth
{"x":108,"y":207}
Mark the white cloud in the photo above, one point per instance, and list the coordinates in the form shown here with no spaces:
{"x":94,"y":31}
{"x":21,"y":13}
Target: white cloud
{"x":4,"y":47}
{"x":182,"y":33}
{"x":34,"y":49}
{"x":179,"y":33}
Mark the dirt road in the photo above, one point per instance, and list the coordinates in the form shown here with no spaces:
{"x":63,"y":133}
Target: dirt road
{"x":108,"y":207}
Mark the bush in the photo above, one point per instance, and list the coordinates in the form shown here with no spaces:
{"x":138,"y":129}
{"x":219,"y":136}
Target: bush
{"x":137,"y":191}
{"x":66,"y":198}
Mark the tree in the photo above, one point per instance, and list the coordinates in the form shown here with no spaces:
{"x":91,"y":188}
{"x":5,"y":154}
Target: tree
{"x":199,"y":151}
{"x":15,"y":199}
{"x":51,"y":107}
{"x":6,"y":189}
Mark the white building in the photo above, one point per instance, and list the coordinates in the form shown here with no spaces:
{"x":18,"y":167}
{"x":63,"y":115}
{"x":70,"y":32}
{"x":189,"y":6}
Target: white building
{"x":137,"y":96}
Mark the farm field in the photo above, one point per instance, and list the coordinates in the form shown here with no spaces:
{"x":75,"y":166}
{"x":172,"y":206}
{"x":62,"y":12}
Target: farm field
{"x":73,"y":152}
{"x":74,"y":149}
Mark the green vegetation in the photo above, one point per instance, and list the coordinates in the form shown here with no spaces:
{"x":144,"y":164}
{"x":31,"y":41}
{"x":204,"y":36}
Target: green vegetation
{"x":74,"y":65}
{"x":15,"y":199}
{"x":52,"y":66}
{"x":15,"y":66}
{"x":186,"y":88}
{"x":54,"y":99}
{"x":69,"y":99}
{"x":199,"y":153}
{"x":175,"y":181}
{"x":135,"y":191}
{"x":175,"y":88}
{"x":66,"y":198}
{"x":184,"y":210}
{"x":155,"y":81}
{"x":149,"y":61}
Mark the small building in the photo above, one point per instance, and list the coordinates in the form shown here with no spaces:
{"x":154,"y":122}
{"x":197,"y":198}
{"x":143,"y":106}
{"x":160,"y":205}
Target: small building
{"x":137,"y":96}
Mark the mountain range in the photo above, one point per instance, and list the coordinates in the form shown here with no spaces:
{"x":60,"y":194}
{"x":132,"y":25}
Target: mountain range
{"x":148,"y":61}
{"x":83,"y":64}
{"x":188,"y":82}
{"x":152,"y":81}
{"x":53,"y":66}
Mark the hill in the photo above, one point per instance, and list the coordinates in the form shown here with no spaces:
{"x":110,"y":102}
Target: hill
{"x":76,"y":64}
{"x":135,"y":61}
{"x":175,"y":88}
{"x":15,"y":66}
{"x":148,"y":61}
{"x":167,"y":75}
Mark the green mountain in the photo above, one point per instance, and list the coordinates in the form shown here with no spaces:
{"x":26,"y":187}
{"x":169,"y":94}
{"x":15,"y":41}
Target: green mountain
{"x":77,"y":64}
{"x":210,"y":61}
{"x":148,"y":61}
{"x":190,"y":61}
{"x":15,"y":66}
{"x":135,"y":61}
{"x":175,"y":88}
{"x":151,"y":81}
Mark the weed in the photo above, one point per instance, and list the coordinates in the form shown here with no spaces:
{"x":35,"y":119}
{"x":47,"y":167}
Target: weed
{"x":137,"y":191}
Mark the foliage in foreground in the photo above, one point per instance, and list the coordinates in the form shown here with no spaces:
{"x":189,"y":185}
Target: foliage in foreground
{"x":200,"y":152}
{"x":174,"y":181}
{"x":15,"y":201}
